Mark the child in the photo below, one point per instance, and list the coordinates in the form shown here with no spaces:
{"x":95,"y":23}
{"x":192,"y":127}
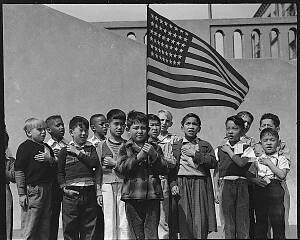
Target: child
{"x":98,"y":124}
{"x":10,"y":177}
{"x":56,"y":129}
{"x":141,"y":164}
{"x":196,"y":209}
{"x":268,"y":200}
{"x":248,"y":120}
{"x":116,"y":225}
{"x":76,"y":164}
{"x":34,"y":173}
{"x":167,"y":228}
{"x":270,"y":120}
{"x":231,"y":185}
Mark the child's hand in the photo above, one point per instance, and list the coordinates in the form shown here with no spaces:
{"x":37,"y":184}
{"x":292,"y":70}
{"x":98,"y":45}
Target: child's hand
{"x":73,"y":149}
{"x":70,"y":192}
{"x":23,"y":201}
{"x":149,"y":149}
{"x":43,"y":157}
{"x":175,"y":190}
{"x":141,"y":156}
{"x":265,"y":161}
{"x":217,"y":196}
{"x":226,"y":148}
{"x":100,"y":200}
{"x":188,"y":152}
{"x":109,"y":162}
{"x":56,"y":151}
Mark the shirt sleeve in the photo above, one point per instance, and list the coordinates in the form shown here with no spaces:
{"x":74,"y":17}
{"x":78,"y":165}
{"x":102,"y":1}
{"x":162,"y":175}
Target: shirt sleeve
{"x":283,"y":162}
{"x":216,"y":153}
{"x":249,"y":152}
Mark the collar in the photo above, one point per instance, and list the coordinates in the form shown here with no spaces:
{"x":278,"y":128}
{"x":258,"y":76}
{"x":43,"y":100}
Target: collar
{"x":274,"y":155}
{"x":131,"y":143}
{"x":95,"y":138}
{"x":161,"y":138}
{"x":87,"y":144}
{"x":51,"y":141}
{"x":239,"y":142}
{"x":195,"y":141}
{"x":113,"y":142}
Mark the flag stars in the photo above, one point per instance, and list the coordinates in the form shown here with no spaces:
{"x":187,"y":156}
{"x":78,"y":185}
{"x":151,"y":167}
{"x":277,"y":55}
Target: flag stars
{"x":185,"y":39}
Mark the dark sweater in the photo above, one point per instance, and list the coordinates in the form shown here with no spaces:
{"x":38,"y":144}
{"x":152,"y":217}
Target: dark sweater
{"x":35,"y":172}
{"x":72,"y":168}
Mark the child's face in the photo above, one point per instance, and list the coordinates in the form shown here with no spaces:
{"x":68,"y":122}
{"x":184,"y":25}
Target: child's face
{"x":233,"y":131}
{"x":267,"y":123}
{"x":258,"y":150}
{"x":165,"y":122}
{"x":99,"y":126}
{"x":191,"y":127}
{"x":79,"y":134}
{"x":116,"y":127}
{"x":269,"y":143}
{"x":154,"y":129}
{"x":247,"y":122}
{"x":37,"y":134}
{"x":138,"y":132}
{"x":57,"y":128}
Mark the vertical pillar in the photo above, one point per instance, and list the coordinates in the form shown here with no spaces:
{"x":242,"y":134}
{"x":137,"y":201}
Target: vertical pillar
{"x":283,"y":42}
{"x":228,"y":43}
{"x":246,"y":43}
{"x":265,"y":42}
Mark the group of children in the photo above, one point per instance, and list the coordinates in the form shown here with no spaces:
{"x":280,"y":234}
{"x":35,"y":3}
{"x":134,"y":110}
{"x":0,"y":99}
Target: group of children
{"x":155,"y":185}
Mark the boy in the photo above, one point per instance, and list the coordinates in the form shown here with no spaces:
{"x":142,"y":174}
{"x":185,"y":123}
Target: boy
{"x":76,"y":164}
{"x":34,"y":173}
{"x":141,"y":164}
{"x":168,"y":228}
{"x":268,"y":200}
{"x":248,"y":120}
{"x":116,"y":225}
{"x":270,"y":120}
{"x":56,"y":129}
{"x":98,"y":124}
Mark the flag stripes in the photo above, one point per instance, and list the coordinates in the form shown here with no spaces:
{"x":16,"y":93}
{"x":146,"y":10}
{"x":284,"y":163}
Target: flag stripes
{"x":185,"y":71}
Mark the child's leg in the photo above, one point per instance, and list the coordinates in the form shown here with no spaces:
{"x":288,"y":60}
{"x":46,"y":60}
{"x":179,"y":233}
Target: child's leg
{"x":173,"y":217}
{"x":122,"y":223}
{"x":9,"y":212}
{"x":242,"y":209}
{"x":228,"y":204}
{"x":286,"y":207}
{"x":261,"y":212}
{"x":33,"y":212}
{"x":70,"y":217}
{"x":136,"y":213}
{"x":109,"y":211}
{"x":88,"y":213}
{"x":163,"y":228}
{"x":251,"y":210}
{"x":45,"y":219}
{"x":276,"y":209}
{"x":151,"y":219}
{"x":56,"y":206}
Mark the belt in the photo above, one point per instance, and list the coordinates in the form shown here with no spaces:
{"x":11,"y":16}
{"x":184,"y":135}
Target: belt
{"x":81,"y":188}
{"x":232,"y":178}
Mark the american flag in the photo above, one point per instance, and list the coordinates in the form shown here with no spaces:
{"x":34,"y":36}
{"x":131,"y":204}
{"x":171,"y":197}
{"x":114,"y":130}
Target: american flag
{"x":185,"y":71}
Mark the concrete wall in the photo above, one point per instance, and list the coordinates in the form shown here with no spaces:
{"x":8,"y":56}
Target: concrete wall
{"x":55,"y":63}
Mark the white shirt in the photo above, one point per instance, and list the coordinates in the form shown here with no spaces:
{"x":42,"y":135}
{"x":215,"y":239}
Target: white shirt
{"x":57,"y":145}
{"x":94,"y":140}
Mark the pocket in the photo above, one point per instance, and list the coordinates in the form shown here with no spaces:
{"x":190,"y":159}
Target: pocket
{"x":32,"y":191}
{"x":34,"y":196}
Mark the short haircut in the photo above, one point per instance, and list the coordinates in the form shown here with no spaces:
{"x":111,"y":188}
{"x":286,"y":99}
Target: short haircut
{"x":136,"y":117}
{"x":32,"y":123}
{"x":167,"y":113}
{"x":243,"y":113}
{"x":96,"y":116}
{"x":271,"y":131}
{"x":271,"y":116}
{"x":237,"y":121}
{"x":116,"y":114}
{"x":191,"y":115}
{"x":153,"y":117}
{"x":51,"y":118}
{"x":78,"y":121}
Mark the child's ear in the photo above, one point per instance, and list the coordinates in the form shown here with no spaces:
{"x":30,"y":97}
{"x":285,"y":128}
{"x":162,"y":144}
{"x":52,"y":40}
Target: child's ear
{"x":48,"y":130}
{"x":171,"y":123}
{"x":71,"y":132}
{"x":199,"y":129}
{"x":277,"y":129}
{"x":93,"y":127}
{"x":28,"y":133}
{"x":127,"y":129}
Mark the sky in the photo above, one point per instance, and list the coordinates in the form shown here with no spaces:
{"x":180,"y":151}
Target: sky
{"x":137,"y":12}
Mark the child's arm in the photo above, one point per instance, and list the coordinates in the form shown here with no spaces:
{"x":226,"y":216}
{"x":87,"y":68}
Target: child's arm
{"x":216,"y":181}
{"x":99,"y":181}
{"x":240,"y":161}
{"x":91,"y":161}
{"x":160,"y":164}
{"x":281,"y":173}
{"x":206,"y":156}
{"x":61,"y":163}
{"x":9,"y":169}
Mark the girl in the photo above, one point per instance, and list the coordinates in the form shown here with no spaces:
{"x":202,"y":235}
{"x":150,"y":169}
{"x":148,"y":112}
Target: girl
{"x":231,"y":185}
{"x":196,"y":209}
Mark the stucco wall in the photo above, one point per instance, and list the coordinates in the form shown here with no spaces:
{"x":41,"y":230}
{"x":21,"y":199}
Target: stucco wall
{"x":55,"y":63}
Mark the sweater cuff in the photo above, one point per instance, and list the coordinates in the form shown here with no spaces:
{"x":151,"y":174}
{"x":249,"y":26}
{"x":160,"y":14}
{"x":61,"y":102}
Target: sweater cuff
{"x":20,"y":180}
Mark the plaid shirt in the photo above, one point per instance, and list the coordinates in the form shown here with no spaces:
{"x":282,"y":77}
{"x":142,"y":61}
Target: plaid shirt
{"x":141,"y":176}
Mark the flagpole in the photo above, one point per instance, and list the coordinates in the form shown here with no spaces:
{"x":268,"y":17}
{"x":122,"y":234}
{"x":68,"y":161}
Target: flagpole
{"x":147,"y":61}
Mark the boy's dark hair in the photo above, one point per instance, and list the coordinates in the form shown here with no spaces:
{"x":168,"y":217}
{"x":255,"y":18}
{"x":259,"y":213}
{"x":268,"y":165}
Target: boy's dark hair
{"x":153,"y":117}
{"x":191,"y":115}
{"x":95,"y":116}
{"x":237,"y":121}
{"x":136,"y":117}
{"x":271,"y":116}
{"x":243,"y":113}
{"x":116,"y":114}
{"x":49,"y":119}
{"x":78,"y":121}
{"x":271,"y":131}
